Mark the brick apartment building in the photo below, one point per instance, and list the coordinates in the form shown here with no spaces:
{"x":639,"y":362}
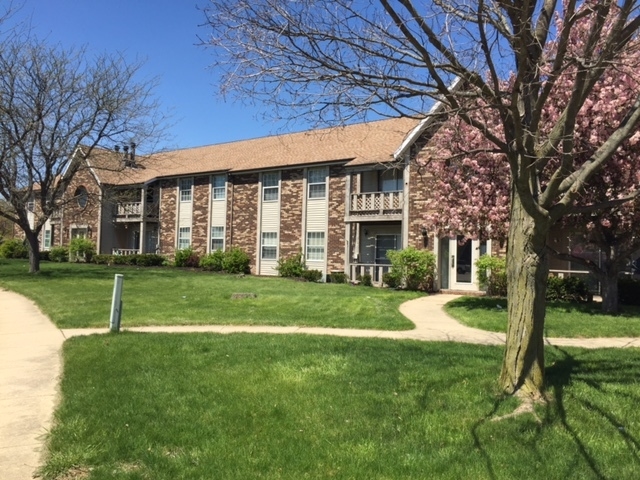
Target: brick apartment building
{"x":342,"y":196}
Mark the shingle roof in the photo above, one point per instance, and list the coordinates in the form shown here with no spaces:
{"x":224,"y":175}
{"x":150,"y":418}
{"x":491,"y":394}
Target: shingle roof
{"x":359,"y":144}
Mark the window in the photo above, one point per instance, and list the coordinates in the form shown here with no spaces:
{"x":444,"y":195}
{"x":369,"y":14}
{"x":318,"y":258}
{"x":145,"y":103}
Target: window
{"x":218,"y":184}
{"x":317,"y":180}
{"x":31,"y":205}
{"x":269,"y":245}
{"x":81,"y":196}
{"x":270,"y":187}
{"x":48,"y":238}
{"x":79,"y":232}
{"x":185,"y":189}
{"x":217,"y":238}
{"x":184,"y":238}
{"x":315,"y":246}
{"x":390,"y":180}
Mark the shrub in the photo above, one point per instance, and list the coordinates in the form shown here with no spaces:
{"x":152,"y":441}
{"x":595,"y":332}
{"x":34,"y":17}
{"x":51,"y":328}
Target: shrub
{"x":568,"y":289}
{"x":13,"y":248}
{"x":414,"y":269}
{"x":390,"y":280}
{"x":365,"y":280}
{"x":187,"y":258}
{"x":629,"y":291}
{"x":312,"y":275}
{"x":338,"y":277}
{"x":102,"y":259}
{"x":236,"y":260}
{"x":59,"y":254}
{"x":148,"y":260}
{"x":492,"y":274}
{"x":44,"y":255}
{"x":81,"y":249}
{"x":213,"y":262}
{"x":293,"y":266}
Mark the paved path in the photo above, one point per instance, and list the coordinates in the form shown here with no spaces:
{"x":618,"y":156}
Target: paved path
{"x":30,"y":363}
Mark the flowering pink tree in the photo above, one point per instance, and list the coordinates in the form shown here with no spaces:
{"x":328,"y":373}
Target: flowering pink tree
{"x":471,"y":179}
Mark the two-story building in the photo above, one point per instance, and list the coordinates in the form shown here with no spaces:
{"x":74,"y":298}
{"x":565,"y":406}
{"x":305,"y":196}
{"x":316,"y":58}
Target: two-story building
{"x":342,"y":196}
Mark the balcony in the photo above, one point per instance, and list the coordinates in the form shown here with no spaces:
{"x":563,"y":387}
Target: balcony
{"x":125,"y":251}
{"x":132,"y":211}
{"x":375,"y":206}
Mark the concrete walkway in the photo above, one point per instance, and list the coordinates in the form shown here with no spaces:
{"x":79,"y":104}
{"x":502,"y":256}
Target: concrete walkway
{"x":30,"y":363}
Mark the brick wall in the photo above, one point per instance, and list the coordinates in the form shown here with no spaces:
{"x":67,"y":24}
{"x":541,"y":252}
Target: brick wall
{"x":242,"y":223}
{"x":167,"y":220}
{"x":418,"y":191}
{"x":199,"y":233}
{"x":74,"y":214}
{"x":291,"y":212}
{"x":336,"y":229}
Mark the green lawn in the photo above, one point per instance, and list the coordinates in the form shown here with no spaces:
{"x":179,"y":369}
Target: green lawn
{"x":562,"y":320}
{"x":79,"y":295}
{"x":205,"y":406}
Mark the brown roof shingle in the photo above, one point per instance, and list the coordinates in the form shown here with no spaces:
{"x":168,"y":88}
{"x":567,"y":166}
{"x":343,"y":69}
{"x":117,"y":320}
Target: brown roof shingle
{"x":359,"y":144}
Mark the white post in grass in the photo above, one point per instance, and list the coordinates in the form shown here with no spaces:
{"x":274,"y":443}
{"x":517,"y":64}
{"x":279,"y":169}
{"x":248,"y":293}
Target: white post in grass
{"x":116,"y":303}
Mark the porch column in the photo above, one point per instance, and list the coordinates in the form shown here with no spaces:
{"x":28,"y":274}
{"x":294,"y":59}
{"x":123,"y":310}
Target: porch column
{"x":143,"y":219}
{"x":405,"y":201}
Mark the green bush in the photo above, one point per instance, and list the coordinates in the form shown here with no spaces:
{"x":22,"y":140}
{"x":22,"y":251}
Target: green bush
{"x":59,"y":254}
{"x":213,"y":262}
{"x":390,"y":280}
{"x":568,"y":289}
{"x":44,"y":255}
{"x":236,"y":260}
{"x":414,"y":269}
{"x":13,"y":248}
{"x":102,"y":259}
{"x":338,"y":277}
{"x":81,"y":249}
{"x":366,"y":280}
{"x":187,"y":258}
{"x":139,"y":259}
{"x":628,"y":291}
{"x":312,"y":275}
{"x":292,"y":267}
{"x":492,"y":275}
{"x":149,"y":260}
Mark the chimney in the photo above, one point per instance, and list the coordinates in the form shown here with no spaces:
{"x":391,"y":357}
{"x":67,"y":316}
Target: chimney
{"x":132,"y":155}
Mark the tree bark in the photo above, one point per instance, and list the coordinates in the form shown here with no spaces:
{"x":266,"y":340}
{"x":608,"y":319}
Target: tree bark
{"x":609,"y":291}
{"x":34,"y":251}
{"x":527,"y":272}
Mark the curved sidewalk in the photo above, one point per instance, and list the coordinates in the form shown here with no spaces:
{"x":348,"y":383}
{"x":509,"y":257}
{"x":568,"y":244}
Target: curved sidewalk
{"x":30,"y":363}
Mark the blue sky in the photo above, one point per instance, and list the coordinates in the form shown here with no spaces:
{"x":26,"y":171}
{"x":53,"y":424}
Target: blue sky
{"x":164,"y":34}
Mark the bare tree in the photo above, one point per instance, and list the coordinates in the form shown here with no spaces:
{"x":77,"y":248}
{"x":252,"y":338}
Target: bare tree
{"x":336,"y":60}
{"x":56,"y":107}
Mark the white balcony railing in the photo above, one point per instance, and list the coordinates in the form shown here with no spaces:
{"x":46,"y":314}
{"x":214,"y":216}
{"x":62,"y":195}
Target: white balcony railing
{"x":379,"y":203}
{"x":358,"y":270}
{"x":134,"y":210}
{"x":125,"y":251}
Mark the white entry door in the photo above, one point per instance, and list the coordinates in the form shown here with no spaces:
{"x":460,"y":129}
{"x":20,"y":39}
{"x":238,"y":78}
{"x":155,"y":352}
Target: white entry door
{"x":457,"y":263}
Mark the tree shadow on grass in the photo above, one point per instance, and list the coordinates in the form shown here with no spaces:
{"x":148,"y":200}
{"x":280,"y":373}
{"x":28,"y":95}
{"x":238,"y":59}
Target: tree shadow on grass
{"x":581,"y":387}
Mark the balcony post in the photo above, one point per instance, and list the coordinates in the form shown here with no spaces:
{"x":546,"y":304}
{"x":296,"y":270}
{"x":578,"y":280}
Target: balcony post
{"x":143,"y":218}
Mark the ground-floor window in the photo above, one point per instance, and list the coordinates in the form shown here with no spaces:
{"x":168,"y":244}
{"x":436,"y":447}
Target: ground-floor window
{"x":184,"y":238}
{"x":269,"y":245}
{"x":80,"y":232}
{"x":217,"y":238}
{"x":47,"y":238}
{"x":315,"y":245}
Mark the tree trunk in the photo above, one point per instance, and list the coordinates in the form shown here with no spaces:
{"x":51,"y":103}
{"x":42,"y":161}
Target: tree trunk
{"x":527,"y":272}
{"x":609,"y":291}
{"x":34,"y":251}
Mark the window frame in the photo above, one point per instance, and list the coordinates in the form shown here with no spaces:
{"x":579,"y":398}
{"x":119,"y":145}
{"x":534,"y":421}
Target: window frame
{"x":82,"y":197}
{"x":216,"y":238}
{"x":181,"y":238}
{"x":311,"y":183}
{"x":183,"y":190}
{"x":397,"y":177}
{"x":270,"y":187}
{"x":47,"y":238}
{"x":272,"y":245}
{"x":216,"y":190}
{"x":313,"y":247}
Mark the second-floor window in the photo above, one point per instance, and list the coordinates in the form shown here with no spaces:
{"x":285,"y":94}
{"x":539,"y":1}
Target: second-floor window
{"x":218,"y":186}
{"x":270,"y":187}
{"x":390,"y":180}
{"x":317,"y":182}
{"x":186,"y":185}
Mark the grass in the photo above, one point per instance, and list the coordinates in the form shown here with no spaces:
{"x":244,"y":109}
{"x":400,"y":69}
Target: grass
{"x":79,"y":295}
{"x":562,"y":320}
{"x":201,"y":406}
